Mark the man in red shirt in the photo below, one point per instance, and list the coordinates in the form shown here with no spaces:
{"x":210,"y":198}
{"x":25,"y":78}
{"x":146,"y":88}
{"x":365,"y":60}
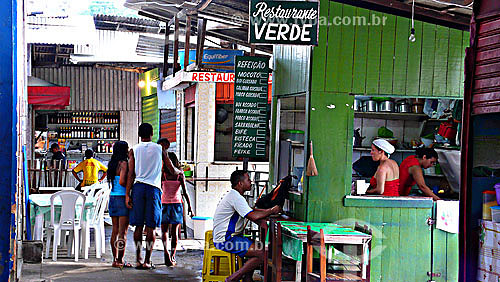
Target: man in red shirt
{"x":410,"y":172}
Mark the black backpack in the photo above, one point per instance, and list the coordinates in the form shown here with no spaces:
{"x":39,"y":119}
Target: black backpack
{"x":277,"y":196}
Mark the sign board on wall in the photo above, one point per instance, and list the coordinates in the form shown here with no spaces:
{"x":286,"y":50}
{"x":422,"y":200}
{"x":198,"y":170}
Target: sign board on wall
{"x":283,"y":22}
{"x":250,"y":107}
{"x":198,"y":76}
{"x":219,"y":57}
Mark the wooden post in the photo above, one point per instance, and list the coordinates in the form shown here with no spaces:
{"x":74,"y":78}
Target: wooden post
{"x":186,"y":42}
{"x":245,"y":163}
{"x":165,"y":51}
{"x":252,"y":50}
{"x":176,"y":44}
{"x":202,"y":26}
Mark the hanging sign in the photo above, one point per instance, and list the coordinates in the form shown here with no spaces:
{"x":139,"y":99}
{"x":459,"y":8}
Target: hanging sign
{"x":250,"y":107}
{"x":283,"y":22}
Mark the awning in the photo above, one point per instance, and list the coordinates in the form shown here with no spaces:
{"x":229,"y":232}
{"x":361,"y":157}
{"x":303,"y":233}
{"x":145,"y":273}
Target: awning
{"x":44,"y":95}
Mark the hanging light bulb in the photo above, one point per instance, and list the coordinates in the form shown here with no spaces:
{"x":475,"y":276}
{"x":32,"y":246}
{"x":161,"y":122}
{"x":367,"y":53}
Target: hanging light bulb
{"x":412,"y":35}
{"x":412,"y":31}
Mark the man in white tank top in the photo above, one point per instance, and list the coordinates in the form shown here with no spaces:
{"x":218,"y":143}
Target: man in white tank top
{"x":144,"y":191}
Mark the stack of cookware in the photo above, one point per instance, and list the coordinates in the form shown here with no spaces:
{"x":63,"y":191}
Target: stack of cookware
{"x":388,"y":105}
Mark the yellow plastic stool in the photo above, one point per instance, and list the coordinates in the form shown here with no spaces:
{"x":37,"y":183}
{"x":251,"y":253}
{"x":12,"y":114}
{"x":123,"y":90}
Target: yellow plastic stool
{"x":217,"y":264}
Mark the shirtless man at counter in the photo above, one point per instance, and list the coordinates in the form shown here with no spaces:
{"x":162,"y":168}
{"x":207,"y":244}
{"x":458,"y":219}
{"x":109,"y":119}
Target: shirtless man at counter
{"x":410,"y":172}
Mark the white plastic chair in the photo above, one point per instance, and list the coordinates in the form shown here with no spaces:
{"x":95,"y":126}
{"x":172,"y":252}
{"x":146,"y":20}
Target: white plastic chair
{"x":69,"y":220}
{"x":90,"y":191}
{"x":96,"y":221}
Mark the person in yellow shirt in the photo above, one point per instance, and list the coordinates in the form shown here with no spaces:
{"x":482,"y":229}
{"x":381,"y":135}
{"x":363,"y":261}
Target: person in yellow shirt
{"x":90,"y":168}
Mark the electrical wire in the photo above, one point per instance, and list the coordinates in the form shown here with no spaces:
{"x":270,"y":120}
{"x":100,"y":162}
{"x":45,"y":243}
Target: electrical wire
{"x":412,"y":13}
{"x":452,"y":4}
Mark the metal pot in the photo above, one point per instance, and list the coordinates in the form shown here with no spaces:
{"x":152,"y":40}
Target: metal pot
{"x":418,"y":109}
{"x":370,"y":106}
{"x":358,"y":105}
{"x":386,"y":106}
{"x":403,"y":107}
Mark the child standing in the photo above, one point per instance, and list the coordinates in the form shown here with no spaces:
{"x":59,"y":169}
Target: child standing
{"x":172,"y":208}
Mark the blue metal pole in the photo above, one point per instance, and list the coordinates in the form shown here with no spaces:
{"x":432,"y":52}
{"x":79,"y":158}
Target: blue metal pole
{"x":8,"y":134}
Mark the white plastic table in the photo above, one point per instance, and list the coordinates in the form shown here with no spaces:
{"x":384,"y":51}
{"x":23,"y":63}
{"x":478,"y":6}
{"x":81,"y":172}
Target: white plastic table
{"x":40,"y":205}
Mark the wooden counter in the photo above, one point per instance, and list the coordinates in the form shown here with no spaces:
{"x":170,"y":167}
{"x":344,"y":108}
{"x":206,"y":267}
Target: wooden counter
{"x":377,"y":201}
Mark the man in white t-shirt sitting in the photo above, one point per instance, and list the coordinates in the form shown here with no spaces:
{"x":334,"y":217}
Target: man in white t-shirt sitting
{"x":229,"y":222}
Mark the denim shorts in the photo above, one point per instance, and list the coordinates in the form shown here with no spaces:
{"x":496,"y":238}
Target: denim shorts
{"x":146,"y":205}
{"x":117,"y":206}
{"x":172,"y":214}
{"x":238,"y":245}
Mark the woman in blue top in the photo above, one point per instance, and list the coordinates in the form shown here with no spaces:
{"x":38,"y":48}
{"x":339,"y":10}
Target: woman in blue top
{"x":117,"y":177}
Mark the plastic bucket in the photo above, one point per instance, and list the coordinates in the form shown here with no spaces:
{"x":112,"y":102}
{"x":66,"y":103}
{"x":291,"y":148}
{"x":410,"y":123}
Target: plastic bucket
{"x":495,"y":213}
{"x":497,"y":190}
{"x":489,"y":201}
{"x":200,"y":225}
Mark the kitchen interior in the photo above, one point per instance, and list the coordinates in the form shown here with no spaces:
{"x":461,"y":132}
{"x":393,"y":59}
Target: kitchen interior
{"x":409,"y":123}
{"x":291,"y":125}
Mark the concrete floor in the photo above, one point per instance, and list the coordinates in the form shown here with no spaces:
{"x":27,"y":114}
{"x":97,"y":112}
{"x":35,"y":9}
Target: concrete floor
{"x":189,"y":264}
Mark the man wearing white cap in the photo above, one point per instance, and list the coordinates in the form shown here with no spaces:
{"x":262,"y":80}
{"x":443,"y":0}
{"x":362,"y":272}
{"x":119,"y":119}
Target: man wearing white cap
{"x":386,"y":180}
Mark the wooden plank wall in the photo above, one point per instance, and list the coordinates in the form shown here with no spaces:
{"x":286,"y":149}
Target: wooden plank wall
{"x":374,"y":60}
{"x":401,"y":244}
{"x":291,"y":69}
{"x":380,"y":60}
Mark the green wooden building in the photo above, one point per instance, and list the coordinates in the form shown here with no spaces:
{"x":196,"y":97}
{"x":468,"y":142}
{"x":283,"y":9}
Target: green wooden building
{"x":370,"y":60}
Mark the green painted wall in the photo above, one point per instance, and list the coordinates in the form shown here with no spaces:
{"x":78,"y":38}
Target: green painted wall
{"x":372,"y":60}
{"x":149,"y":101}
{"x":401,"y":244}
{"x":292,"y":71}
{"x":380,"y":60}
{"x":293,"y":68}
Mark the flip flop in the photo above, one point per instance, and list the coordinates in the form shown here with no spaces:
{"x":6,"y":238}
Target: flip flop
{"x":144,"y":267}
{"x":122,"y":265}
{"x":127,"y":265}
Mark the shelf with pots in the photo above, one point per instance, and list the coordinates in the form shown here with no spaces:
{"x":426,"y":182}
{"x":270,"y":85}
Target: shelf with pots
{"x":388,"y":109}
{"x":367,"y":149}
{"x":391,"y":116}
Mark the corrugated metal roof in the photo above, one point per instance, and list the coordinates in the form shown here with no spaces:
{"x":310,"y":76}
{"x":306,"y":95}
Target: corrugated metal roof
{"x":154,"y":46}
{"x":114,"y":46}
{"x":60,"y":30}
{"x":95,"y":89}
{"x":120,"y":23}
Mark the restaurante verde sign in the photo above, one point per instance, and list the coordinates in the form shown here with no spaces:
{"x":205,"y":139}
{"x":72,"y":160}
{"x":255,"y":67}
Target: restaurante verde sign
{"x":250,"y":107}
{"x":283,"y":22}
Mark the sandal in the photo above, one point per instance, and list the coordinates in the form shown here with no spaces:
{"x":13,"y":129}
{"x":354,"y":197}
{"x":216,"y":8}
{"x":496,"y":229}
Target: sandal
{"x":122,"y":265}
{"x":145,"y":266}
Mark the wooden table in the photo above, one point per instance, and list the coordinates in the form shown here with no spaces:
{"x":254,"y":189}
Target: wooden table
{"x":294,"y":236}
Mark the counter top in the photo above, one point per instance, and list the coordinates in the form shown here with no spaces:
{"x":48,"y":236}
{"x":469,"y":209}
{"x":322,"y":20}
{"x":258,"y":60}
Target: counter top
{"x":377,"y":201}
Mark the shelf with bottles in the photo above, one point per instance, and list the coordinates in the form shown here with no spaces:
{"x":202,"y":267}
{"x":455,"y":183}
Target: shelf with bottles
{"x":83,"y":117}
{"x":100,"y":147}
{"x":85,"y":139}
{"x":86,"y":132}
{"x":54,"y":125}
